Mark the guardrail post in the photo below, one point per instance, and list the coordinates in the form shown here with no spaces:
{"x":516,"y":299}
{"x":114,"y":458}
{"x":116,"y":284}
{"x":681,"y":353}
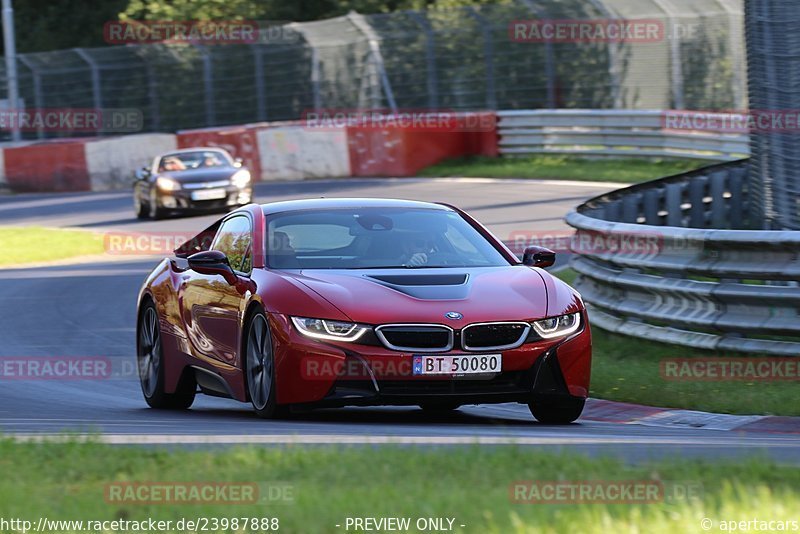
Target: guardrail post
{"x":672,"y":200}
{"x":697,"y":192}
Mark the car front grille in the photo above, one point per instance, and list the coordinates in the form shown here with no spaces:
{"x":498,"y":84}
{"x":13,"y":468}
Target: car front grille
{"x":416,"y":337}
{"x":494,"y":336}
{"x":441,"y":338}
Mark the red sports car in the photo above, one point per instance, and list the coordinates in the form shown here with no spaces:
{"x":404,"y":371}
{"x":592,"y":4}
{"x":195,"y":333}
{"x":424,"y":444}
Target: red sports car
{"x":334,"y":302}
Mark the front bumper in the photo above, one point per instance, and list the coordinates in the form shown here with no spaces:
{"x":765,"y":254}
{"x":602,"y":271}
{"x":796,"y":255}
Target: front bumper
{"x":182,"y":200}
{"x":340,"y":374}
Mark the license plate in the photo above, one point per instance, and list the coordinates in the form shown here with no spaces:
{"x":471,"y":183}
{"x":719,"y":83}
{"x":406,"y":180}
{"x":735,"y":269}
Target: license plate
{"x":209,"y":194}
{"x":459,"y":364}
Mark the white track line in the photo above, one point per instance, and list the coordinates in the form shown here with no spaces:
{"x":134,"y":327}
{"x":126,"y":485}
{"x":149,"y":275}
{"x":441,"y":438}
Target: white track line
{"x":346,"y":439}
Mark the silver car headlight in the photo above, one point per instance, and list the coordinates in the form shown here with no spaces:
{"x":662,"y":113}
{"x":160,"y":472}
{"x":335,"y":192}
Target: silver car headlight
{"x":560,"y":326}
{"x":241,"y":178}
{"x":167,"y":184}
{"x":330,"y":330}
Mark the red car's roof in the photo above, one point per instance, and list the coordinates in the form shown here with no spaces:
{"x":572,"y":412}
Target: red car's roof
{"x":346,"y":203}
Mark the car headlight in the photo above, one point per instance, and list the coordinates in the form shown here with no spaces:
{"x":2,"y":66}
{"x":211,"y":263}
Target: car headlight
{"x":167,"y":184}
{"x":331,"y":330}
{"x":241,"y":178}
{"x":560,"y":326}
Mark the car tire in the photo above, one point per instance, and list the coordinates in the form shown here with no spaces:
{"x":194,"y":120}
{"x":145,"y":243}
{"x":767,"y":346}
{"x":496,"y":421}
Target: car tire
{"x":444,"y":407}
{"x":258,"y":359}
{"x":557,"y":412}
{"x":140,"y":208}
{"x":150,"y":362}
{"x":154,"y":211}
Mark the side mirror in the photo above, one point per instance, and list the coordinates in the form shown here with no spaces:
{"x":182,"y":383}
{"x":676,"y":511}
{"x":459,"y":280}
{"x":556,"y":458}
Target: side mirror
{"x":142,"y":174}
{"x":212,"y":262}
{"x":238,"y":162}
{"x":538,"y":257}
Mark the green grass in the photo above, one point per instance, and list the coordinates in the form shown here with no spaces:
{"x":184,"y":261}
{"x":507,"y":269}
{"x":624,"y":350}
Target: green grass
{"x":627,"y":369}
{"x":20,"y":245}
{"x":563,"y":168}
{"x":329,"y":484}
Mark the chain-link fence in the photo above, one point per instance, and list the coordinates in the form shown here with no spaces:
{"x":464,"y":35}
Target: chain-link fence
{"x":773,"y":46}
{"x":467,"y":58}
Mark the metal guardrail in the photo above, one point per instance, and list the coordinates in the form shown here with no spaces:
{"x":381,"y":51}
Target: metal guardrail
{"x":671,"y":260}
{"x":631,"y":133}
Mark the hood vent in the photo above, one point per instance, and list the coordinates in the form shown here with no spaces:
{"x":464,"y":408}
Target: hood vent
{"x":421,"y":279}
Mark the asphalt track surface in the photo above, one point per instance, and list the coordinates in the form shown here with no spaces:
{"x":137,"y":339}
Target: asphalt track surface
{"x":88,"y":310}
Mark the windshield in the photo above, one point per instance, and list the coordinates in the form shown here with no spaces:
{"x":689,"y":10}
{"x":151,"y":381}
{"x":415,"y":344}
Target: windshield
{"x":193,"y":160}
{"x":376,"y":238}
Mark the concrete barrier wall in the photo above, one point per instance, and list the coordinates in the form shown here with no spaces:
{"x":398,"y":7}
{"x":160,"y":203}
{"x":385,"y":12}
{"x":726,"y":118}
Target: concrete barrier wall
{"x":272,"y":151}
{"x":295,"y":153}
{"x":110,"y":162}
{"x":48,"y":166}
{"x":91,"y":164}
{"x":240,"y":141}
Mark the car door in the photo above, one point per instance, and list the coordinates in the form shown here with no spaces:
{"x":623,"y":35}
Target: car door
{"x":212,"y":308}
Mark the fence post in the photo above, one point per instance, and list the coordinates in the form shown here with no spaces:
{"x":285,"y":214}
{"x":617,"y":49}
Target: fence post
{"x":208,"y":85}
{"x":430,"y":59}
{"x":97,"y":97}
{"x":37,"y":89}
{"x":488,"y":52}
{"x":676,"y":61}
{"x":549,"y":58}
{"x":375,"y":52}
{"x":152,"y":96}
{"x":258,"y":67}
{"x":613,"y":57}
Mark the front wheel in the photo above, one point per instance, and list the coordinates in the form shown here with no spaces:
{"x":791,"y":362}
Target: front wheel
{"x":260,"y":366}
{"x":150,"y":360}
{"x":154,"y":210}
{"x":139,"y":208}
{"x":557,"y":412}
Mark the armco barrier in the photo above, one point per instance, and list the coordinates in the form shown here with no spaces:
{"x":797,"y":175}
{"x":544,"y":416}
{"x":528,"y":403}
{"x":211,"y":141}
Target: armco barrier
{"x":91,"y":164}
{"x":623,"y":133}
{"x":701,"y":279}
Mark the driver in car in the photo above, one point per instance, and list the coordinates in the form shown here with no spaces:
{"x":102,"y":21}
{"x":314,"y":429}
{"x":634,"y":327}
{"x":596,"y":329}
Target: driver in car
{"x":416,"y":250}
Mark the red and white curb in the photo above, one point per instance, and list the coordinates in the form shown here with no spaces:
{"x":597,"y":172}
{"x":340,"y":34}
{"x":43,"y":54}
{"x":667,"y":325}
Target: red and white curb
{"x":621,"y":412}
